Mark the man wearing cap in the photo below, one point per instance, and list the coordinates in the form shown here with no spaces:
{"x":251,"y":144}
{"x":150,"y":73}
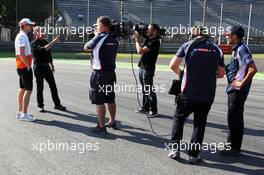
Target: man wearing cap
{"x":239,"y":74}
{"x":23,"y":65}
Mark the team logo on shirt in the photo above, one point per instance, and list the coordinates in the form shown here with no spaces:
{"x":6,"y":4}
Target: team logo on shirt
{"x":111,"y":44}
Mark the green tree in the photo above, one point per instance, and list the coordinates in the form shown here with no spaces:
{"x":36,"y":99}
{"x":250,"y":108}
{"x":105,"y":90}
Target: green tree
{"x":8,"y":12}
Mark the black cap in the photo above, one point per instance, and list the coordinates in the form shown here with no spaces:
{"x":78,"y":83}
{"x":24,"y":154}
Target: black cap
{"x":238,"y":31}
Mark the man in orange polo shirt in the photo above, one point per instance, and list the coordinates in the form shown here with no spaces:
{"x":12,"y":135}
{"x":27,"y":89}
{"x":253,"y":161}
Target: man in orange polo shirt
{"x":23,"y":65}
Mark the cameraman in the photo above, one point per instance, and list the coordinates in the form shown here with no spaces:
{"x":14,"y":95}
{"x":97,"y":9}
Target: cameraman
{"x":149,"y":53}
{"x":104,"y":49}
{"x":204,"y":63}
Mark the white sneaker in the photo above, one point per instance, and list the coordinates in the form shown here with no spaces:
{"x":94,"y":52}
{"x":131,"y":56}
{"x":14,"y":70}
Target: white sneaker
{"x":174,"y":154}
{"x":41,"y":110}
{"x":26,"y":118}
{"x":18,"y":115}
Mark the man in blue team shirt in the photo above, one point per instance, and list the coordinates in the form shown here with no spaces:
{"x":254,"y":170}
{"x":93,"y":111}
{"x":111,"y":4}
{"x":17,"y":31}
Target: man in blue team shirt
{"x":203,"y":65}
{"x":104,"y":49}
{"x":239,"y":75}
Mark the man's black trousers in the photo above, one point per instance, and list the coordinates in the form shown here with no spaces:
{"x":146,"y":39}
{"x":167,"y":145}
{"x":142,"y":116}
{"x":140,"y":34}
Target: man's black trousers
{"x":43,"y":72}
{"x":184,"y":108}
{"x":235,"y":118}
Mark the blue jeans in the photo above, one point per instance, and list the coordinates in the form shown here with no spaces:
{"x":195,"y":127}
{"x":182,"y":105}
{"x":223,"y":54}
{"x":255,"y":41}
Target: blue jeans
{"x":149,"y":96}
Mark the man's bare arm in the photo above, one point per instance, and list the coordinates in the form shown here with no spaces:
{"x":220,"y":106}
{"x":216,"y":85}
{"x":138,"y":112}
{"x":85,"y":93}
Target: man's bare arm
{"x":23,"y":57}
{"x":220,"y":72}
{"x":48,"y":46}
{"x":86,"y":49}
{"x":175,"y":65}
{"x":252,"y":70}
{"x":141,"y":50}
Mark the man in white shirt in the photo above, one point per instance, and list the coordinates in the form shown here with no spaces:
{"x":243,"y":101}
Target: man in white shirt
{"x":23,"y":65}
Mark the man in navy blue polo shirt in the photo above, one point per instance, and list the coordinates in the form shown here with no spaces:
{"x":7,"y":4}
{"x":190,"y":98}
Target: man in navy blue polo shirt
{"x":239,"y":74}
{"x":104,"y":49}
{"x":203,"y":65}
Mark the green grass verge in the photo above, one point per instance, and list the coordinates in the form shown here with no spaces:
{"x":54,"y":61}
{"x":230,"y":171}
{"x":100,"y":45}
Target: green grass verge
{"x":259,"y":76}
{"x":84,"y":56}
{"x":120,"y":56}
{"x":127,"y":65}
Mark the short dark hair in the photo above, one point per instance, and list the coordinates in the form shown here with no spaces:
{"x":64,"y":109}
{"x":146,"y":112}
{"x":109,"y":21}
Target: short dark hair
{"x":105,"y":20}
{"x":155,"y":27}
{"x":200,"y":28}
{"x":238,"y":31}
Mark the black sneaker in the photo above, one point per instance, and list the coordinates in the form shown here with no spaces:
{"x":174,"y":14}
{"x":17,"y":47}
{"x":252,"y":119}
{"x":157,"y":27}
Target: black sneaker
{"x":142,"y":111}
{"x":195,"y":160}
{"x":230,"y":152}
{"x":98,"y":130}
{"x":60,"y":107}
{"x":108,"y":125}
{"x":152,"y":114}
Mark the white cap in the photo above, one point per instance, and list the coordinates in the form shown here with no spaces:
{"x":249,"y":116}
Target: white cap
{"x":25,"y":21}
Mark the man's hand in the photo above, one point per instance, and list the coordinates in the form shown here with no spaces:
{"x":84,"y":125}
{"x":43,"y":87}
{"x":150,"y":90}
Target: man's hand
{"x":237,"y":84}
{"x":220,"y":72}
{"x":139,"y":48}
{"x":57,"y":38}
{"x":95,"y":31}
{"x":53,"y":70}
{"x":252,"y":70}
{"x":48,"y":46}
{"x":137,"y":36}
{"x":52,"y":67}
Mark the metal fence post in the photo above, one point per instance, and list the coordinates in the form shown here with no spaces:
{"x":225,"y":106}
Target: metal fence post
{"x":204,"y":11}
{"x":190,"y":15}
{"x":249,"y":22}
{"x":151,"y":13}
{"x":220,"y":24}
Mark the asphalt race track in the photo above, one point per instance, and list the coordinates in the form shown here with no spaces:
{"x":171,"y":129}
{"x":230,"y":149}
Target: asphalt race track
{"x":131,"y":150}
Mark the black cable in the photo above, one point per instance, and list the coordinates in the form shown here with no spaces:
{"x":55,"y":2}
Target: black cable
{"x":134,"y":74}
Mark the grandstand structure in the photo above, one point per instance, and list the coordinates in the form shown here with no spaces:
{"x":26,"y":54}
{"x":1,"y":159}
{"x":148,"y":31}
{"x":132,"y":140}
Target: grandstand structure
{"x":165,"y":12}
{"x":238,"y":13}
